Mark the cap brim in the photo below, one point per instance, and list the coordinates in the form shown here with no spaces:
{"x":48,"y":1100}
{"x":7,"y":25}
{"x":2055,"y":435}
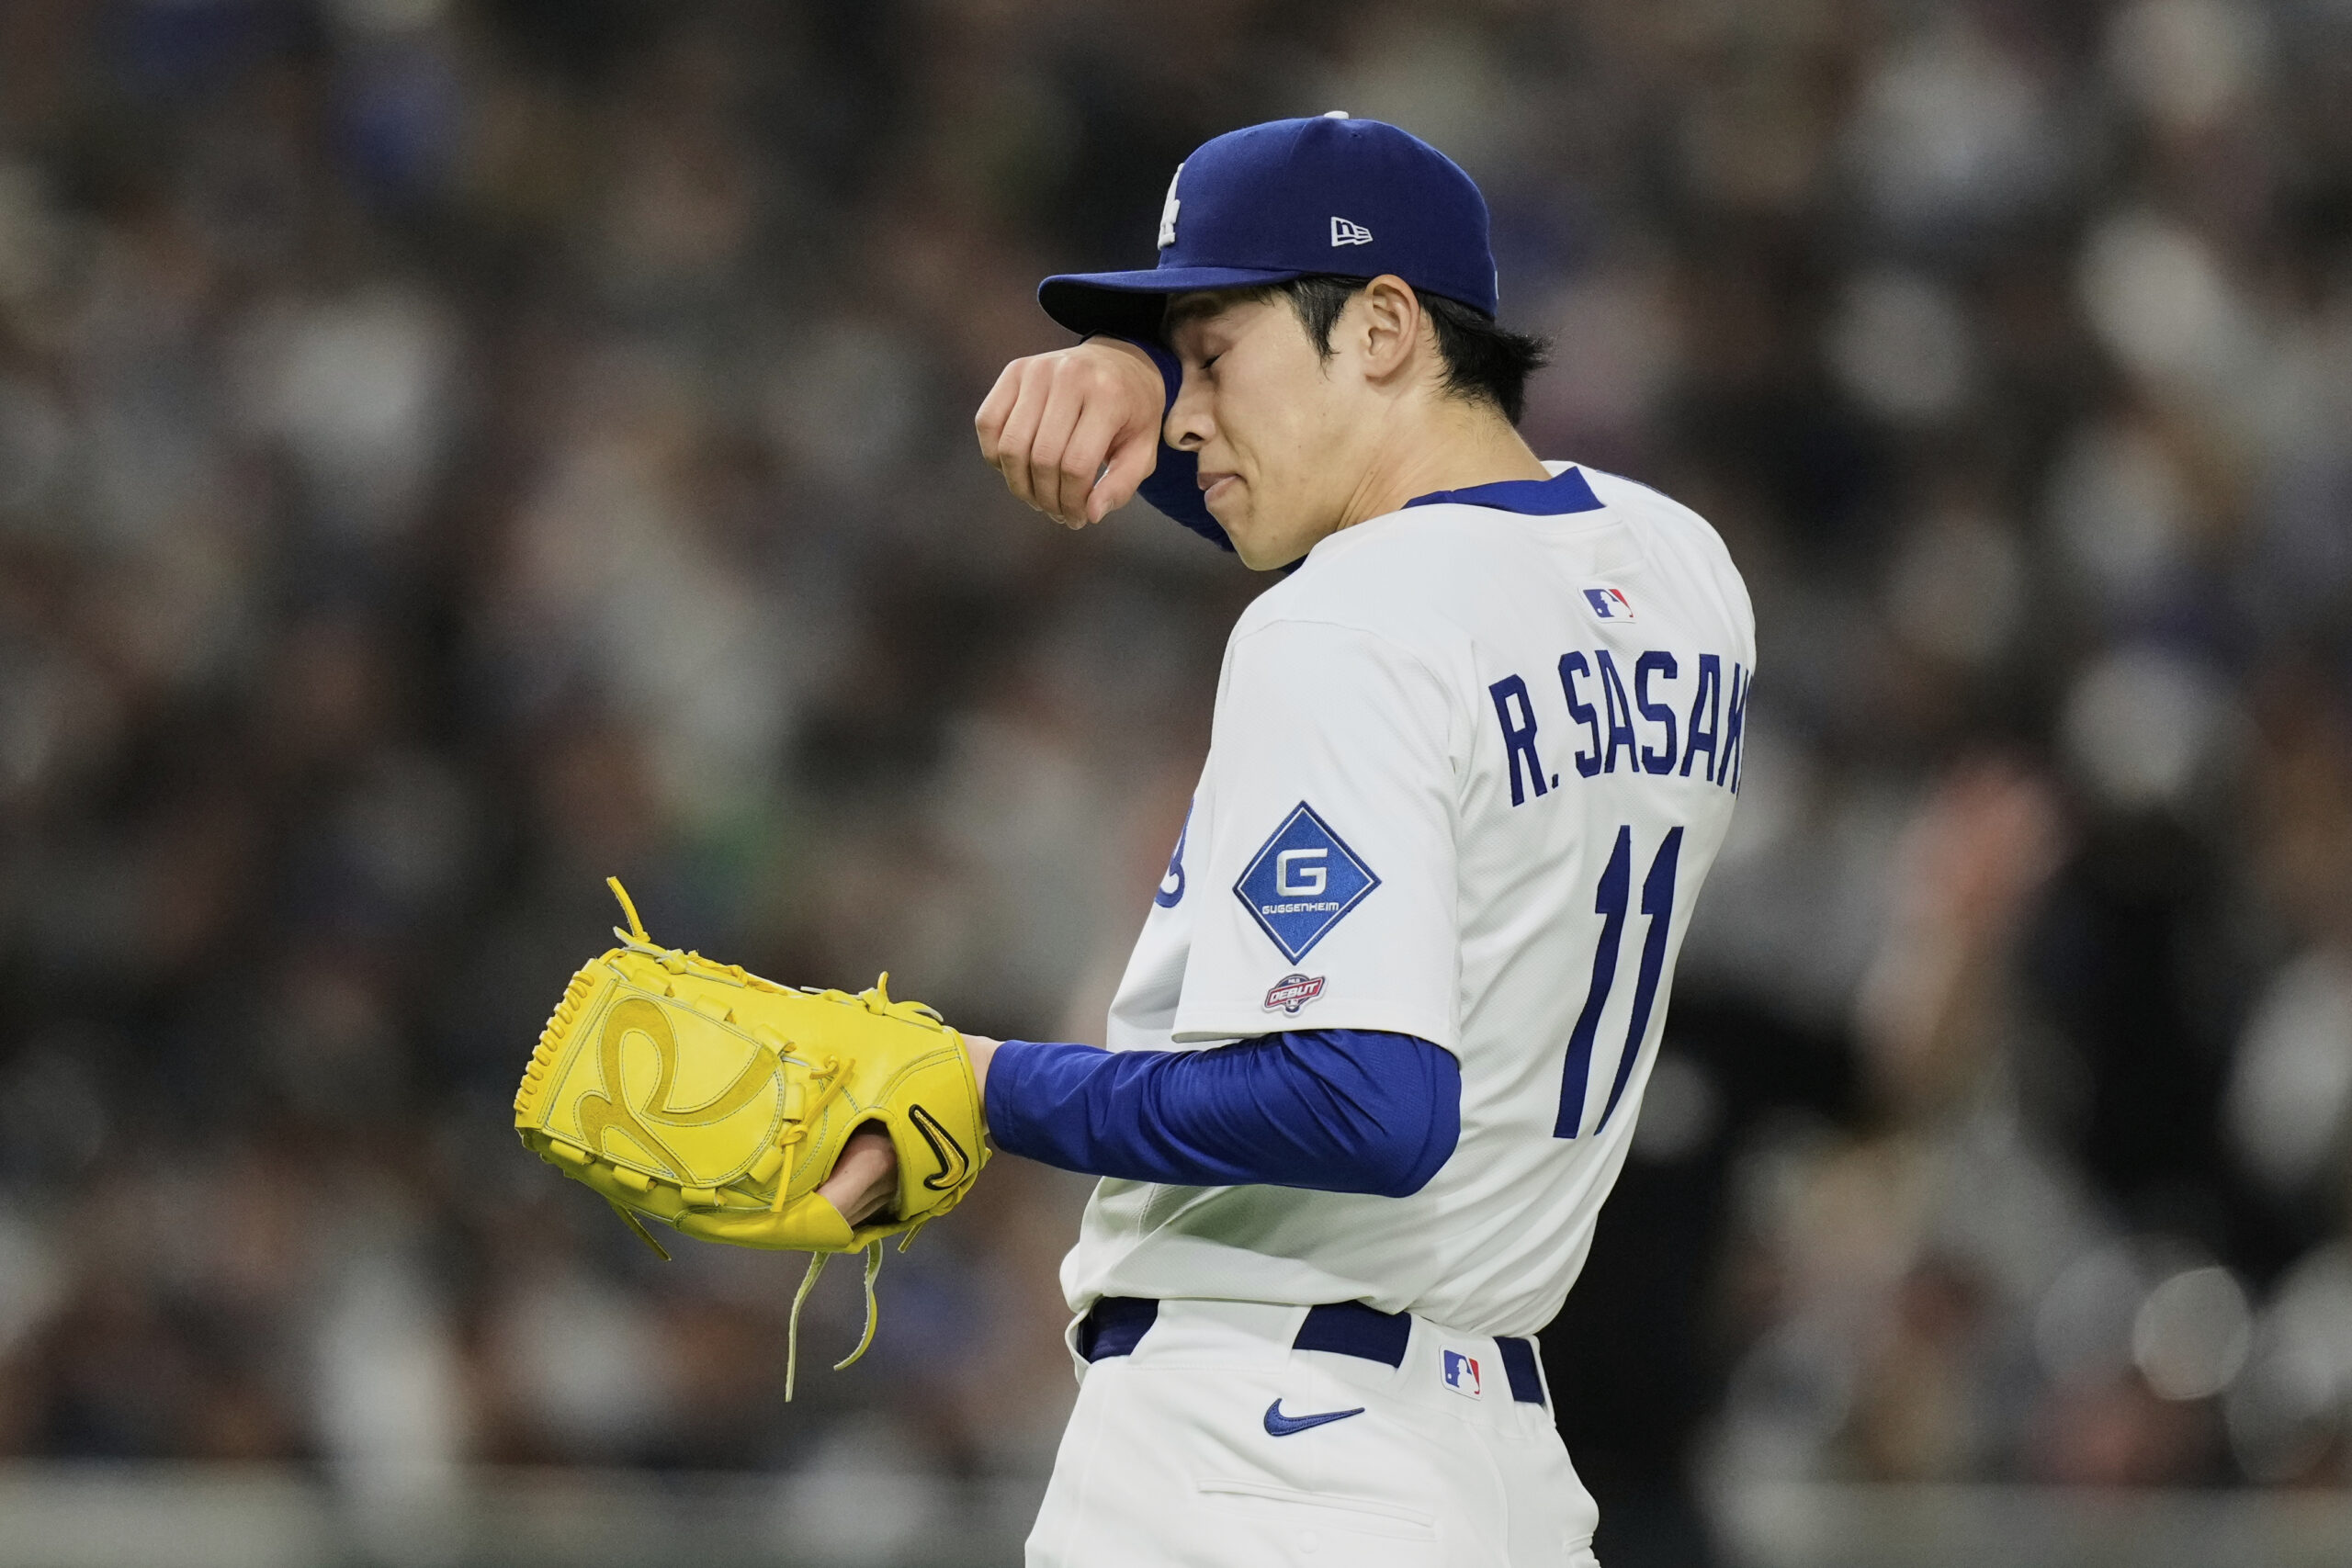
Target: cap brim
{"x":1128,"y":304}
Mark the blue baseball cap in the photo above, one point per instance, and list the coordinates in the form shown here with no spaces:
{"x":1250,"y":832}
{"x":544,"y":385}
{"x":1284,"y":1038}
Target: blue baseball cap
{"x":1357,"y":197}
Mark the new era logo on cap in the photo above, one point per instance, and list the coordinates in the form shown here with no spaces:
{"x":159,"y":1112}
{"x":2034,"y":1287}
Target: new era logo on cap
{"x":1346,"y":233}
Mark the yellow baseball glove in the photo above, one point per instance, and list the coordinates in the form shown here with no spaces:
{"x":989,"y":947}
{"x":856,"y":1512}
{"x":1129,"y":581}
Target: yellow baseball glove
{"x":717,"y":1101}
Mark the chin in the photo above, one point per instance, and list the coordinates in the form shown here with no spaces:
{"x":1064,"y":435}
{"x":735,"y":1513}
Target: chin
{"x":1258,"y":552}
{"x":1265,"y":558}
{"x":1246,"y":544}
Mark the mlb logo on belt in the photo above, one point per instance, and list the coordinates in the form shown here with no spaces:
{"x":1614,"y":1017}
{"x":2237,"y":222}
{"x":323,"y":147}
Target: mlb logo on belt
{"x":1462,"y":1374}
{"x":1294,"y":991}
{"x":1608,"y":603}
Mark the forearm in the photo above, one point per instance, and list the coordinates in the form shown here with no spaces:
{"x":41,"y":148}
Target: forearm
{"x":1173,"y":485}
{"x":1339,"y":1111}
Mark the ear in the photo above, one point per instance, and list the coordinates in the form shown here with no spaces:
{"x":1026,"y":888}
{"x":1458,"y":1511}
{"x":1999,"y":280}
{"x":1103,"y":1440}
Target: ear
{"x":1388,"y":326}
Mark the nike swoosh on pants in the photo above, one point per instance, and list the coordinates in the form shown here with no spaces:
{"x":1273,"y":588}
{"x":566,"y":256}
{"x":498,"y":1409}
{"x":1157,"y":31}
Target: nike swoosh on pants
{"x":1281,"y":1425}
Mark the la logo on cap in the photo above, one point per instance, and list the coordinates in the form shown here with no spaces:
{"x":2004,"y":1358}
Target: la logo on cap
{"x":1343,"y":232}
{"x":1168,"y":210}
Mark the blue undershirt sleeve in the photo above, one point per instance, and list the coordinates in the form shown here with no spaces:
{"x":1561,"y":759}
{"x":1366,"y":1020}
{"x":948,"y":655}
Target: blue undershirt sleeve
{"x":1334,"y":1110}
{"x":1174,"y":483}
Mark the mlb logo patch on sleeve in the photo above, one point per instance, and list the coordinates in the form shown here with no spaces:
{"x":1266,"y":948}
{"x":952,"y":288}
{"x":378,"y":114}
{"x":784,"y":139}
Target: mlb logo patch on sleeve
{"x":1302,"y":882}
{"x":1462,"y":1374}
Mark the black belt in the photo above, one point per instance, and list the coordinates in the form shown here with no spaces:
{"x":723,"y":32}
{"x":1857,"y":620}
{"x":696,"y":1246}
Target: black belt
{"x":1115,"y":1325}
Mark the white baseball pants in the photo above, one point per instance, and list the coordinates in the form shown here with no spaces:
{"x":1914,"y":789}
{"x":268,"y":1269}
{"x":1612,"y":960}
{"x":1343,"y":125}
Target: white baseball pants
{"x":1199,"y":1449}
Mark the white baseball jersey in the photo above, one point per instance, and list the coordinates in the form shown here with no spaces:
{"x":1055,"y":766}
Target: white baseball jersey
{"x":1468,"y":768}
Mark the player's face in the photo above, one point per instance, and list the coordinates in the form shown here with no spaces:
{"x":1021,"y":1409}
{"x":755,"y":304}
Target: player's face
{"x":1271,"y":422}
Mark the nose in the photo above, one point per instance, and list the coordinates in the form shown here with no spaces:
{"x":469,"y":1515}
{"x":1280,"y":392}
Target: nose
{"x":1189,"y":426}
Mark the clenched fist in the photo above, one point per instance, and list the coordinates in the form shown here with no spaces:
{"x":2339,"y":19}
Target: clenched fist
{"x":1076,"y":431}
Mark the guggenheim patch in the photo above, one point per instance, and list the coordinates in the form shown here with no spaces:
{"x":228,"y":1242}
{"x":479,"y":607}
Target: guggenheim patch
{"x":1302,"y":883}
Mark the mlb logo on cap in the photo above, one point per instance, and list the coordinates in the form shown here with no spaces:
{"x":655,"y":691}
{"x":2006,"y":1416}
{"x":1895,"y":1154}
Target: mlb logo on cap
{"x":1462,"y":1374}
{"x":1608,"y":603}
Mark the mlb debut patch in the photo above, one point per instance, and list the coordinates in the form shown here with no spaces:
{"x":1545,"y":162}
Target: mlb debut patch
{"x":1302,"y":882}
{"x":1293,"y":992}
{"x":1462,"y":1374}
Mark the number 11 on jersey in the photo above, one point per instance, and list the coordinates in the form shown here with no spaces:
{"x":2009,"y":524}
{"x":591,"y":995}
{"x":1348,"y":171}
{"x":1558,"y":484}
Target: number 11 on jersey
{"x":1610,"y":903}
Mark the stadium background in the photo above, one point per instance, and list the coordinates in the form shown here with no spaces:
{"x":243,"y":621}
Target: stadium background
{"x":451,"y":451}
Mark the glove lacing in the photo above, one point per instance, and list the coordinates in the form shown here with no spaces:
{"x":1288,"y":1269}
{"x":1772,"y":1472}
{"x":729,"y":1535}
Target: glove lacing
{"x":816,"y":1262}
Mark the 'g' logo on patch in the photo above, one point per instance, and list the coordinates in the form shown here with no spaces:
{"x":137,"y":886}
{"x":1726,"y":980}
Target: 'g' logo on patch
{"x":1302,"y":882}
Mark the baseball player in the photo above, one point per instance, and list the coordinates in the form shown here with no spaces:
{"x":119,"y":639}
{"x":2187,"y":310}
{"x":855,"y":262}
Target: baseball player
{"x":1377,"y":1059}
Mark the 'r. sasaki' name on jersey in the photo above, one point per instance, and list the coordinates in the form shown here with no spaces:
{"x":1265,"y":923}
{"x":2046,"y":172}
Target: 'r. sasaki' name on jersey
{"x":1710,"y":732}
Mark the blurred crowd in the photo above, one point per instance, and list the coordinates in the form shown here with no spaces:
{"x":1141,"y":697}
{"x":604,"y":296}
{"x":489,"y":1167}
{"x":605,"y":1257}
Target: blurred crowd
{"x":451,"y":450}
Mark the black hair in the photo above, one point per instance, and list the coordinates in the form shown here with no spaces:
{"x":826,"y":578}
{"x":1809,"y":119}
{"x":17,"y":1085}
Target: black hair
{"x":1483,"y":362}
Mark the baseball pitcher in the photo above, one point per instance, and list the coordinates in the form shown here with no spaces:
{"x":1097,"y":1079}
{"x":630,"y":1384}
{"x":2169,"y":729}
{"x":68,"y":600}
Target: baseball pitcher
{"x":1377,"y":1059}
